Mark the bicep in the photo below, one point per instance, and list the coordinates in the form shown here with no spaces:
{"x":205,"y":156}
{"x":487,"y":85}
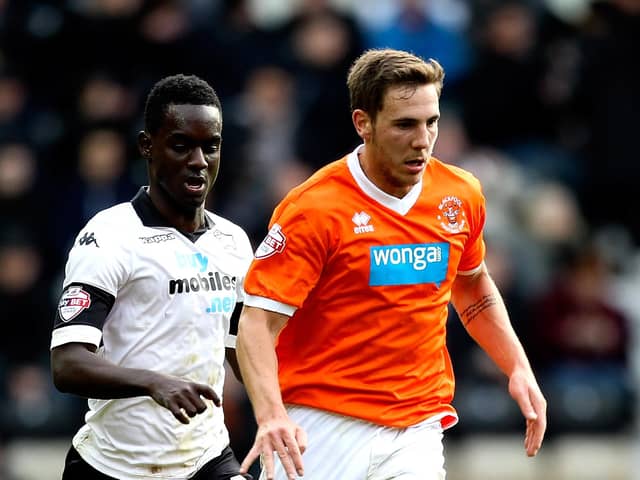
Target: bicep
{"x":67,"y":362}
{"x":255,"y":318}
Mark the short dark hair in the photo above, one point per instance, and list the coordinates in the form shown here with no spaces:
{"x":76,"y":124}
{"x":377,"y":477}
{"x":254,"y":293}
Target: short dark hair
{"x":376,"y":70}
{"x":177,"y":89}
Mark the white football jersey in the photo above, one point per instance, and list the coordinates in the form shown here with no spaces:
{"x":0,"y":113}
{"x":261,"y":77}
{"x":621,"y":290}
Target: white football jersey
{"x":173,"y":297}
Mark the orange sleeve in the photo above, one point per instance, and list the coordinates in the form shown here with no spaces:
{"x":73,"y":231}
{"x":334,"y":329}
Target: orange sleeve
{"x":290,"y":259}
{"x":474,"y":250}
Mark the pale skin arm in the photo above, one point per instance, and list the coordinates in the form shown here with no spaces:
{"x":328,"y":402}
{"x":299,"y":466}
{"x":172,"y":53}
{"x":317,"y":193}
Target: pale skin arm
{"x":484,"y":315}
{"x":255,"y":349}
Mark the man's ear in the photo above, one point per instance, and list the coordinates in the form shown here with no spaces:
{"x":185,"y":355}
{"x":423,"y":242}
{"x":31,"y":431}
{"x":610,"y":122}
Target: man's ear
{"x":144,"y":145}
{"x":363,"y":124}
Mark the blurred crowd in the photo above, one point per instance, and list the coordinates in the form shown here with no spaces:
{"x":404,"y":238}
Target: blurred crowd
{"x":540,"y":102}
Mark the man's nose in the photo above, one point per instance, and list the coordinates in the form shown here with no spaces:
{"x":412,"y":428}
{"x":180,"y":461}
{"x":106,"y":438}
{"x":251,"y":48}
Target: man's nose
{"x":421,"y":139}
{"x":197,"y":158}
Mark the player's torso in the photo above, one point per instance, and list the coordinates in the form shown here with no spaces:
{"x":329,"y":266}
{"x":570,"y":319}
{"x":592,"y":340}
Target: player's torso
{"x":178,"y":297}
{"x":381,"y":261}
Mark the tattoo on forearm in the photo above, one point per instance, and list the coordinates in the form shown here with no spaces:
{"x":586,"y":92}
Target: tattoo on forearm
{"x":473,"y":310}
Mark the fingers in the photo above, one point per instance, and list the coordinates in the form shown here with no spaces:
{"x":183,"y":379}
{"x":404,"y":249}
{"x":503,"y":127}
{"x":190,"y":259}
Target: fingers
{"x":533,"y":437}
{"x":191,"y":403}
{"x":301,"y":440}
{"x":207,"y":392}
{"x":294,"y":450}
{"x":251,"y":457}
{"x":290,"y":459}
{"x":280,"y":444}
{"x":536,"y":427}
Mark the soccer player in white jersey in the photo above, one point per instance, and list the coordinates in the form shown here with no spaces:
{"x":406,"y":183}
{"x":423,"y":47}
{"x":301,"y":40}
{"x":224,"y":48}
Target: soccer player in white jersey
{"x":149,"y":308}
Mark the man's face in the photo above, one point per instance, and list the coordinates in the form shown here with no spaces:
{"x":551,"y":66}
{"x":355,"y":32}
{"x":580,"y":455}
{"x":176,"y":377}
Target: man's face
{"x":400,"y":142}
{"x":185,"y":155}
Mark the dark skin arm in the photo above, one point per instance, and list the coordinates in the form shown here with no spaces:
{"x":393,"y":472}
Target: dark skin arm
{"x":76,"y":369}
{"x":232,"y":359}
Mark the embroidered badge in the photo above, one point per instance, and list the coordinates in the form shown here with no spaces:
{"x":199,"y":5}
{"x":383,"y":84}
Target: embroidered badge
{"x":451,"y":216}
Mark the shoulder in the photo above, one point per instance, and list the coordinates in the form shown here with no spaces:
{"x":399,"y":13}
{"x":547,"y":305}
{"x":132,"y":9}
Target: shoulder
{"x":111,"y":225}
{"x":456,"y":181}
{"x":324,"y":186}
{"x":116,"y":215}
{"x":455,"y":173}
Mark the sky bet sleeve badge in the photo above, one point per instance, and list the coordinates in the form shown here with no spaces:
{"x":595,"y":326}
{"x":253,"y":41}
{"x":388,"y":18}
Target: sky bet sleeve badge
{"x":73,"y":301}
{"x":273,"y":243}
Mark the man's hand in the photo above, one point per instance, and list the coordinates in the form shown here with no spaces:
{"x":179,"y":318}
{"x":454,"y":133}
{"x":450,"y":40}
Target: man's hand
{"x":182,"y":398}
{"x":284,"y":437}
{"x":526,"y":392}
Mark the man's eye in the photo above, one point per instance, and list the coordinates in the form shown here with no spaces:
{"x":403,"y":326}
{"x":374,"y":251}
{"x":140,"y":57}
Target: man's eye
{"x":211,"y":149}
{"x":179,"y":147}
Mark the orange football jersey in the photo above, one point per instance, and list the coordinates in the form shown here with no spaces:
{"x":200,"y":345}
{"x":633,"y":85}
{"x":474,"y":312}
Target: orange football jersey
{"x":368,"y":277}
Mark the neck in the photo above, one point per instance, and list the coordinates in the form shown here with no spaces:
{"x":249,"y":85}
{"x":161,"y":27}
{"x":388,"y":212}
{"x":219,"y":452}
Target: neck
{"x":185,"y":219}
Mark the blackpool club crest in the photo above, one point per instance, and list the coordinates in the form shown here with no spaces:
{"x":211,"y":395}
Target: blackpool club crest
{"x":451,"y":216}
{"x":73,"y":301}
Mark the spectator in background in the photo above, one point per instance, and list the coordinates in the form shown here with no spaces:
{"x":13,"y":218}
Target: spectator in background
{"x":414,"y":28}
{"x":260,"y":134}
{"x":317,"y":45}
{"x":579,"y":341}
{"x":29,"y":405}
{"x":102,"y":178}
{"x":505,"y":81}
{"x":232,"y":38}
{"x":609,"y":100}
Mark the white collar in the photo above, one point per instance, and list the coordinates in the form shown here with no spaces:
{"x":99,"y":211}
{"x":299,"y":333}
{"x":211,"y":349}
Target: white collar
{"x":399,"y":205}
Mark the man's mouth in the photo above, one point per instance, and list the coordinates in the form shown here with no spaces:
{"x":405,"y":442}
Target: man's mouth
{"x":415,"y":164}
{"x":195,"y":184}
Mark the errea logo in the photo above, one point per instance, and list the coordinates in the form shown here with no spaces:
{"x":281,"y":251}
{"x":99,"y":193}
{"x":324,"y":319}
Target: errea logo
{"x":361,"y":219}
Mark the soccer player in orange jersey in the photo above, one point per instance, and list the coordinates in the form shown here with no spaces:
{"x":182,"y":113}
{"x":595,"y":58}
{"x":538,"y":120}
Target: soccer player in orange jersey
{"x":341,"y":341}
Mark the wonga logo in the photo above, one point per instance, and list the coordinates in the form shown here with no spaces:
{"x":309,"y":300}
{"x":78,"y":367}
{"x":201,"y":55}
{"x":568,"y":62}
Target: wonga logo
{"x":409,"y":264}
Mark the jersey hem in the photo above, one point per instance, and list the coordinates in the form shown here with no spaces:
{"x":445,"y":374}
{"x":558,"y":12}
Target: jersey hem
{"x":269,"y":304}
{"x":76,"y":334}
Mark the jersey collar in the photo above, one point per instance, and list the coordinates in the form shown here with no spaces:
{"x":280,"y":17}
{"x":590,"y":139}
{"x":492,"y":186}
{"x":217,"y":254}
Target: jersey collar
{"x":400,"y":205}
{"x":151,"y":216}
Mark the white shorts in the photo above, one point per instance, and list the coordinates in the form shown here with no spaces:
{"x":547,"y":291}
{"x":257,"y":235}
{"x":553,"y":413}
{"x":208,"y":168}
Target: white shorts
{"x":346,"y":448}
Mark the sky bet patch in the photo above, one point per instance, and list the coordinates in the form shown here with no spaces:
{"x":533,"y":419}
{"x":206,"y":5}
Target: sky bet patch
{"x":408,"y":264}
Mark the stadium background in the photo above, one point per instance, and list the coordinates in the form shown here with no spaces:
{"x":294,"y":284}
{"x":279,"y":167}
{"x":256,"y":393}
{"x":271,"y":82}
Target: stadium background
{"x":540,"y":102}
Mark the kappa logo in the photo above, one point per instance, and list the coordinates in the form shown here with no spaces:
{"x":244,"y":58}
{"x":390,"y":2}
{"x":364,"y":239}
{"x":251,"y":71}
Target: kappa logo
{"x":361,"y":219}
{"x":88,"y":239}
{"x":163,"y":237}
{"x":273,"y":243}
{"x":452,"y":216}
{"x":74,"y":300}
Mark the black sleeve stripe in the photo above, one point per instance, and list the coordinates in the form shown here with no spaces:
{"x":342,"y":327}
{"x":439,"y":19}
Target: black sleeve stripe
{"x":235,"y":319}
{"x":94,"y":315}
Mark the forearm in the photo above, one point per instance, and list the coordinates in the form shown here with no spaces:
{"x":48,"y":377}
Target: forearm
{"x":78,"y":371}
{"x":484,"y":315}
{"x":255,"y":350}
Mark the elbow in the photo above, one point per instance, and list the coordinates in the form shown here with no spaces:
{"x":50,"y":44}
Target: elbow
{"x":62,"y":370}
{"x":60,"y":378}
